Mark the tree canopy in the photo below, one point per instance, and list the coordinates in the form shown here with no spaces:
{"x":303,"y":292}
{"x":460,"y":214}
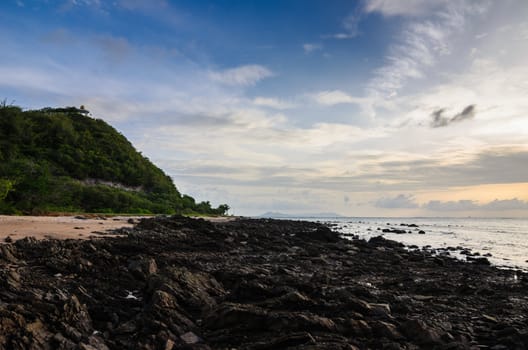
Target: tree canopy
{"x":62,"y":160}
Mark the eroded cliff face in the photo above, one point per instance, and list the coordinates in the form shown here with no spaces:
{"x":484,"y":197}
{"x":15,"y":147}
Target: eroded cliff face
{"x":176,"y":283}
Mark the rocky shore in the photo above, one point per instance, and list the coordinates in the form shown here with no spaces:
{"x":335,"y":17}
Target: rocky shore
{"x":180,"y":283}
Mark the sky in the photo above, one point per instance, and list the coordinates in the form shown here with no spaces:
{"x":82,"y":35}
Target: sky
{"x":360,"y":108}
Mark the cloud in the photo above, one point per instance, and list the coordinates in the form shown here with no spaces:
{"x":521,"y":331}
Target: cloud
{"x":272,"y":103}
{"x":334,"y":97}
{"x":70,"y":4}
{"x":439,"y":120}
{"x":142,"y":4}
{"x":390,"y":8}
{"x":400,"y":201}
{"x":470,"y":205}
{"x":350,"y":26}
{"x":461,"y":205}
{"x":424,"y":42}
{"x":507,"y":204}
{"x":309,"y":48}
{"x":247,"y":75}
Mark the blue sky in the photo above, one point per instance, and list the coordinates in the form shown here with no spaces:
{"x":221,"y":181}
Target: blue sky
{"x":370,"y":107}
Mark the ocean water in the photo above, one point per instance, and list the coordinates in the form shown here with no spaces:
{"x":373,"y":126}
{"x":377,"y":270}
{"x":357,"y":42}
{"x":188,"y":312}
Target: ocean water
{"x":505,"y":239}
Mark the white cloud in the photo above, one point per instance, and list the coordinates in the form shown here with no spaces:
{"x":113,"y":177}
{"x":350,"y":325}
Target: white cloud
{"x":340,"y":36}
{"x":309,"y":48}
{"x":272,"y":103}
{"x":334,"y":97}
{"x":400,"y":201}
{"x":241,"y":76}
{"x":425,"y":43}
{"x":418,"y":49}
{"x":403,"y":7}
{"x":350,"y":26}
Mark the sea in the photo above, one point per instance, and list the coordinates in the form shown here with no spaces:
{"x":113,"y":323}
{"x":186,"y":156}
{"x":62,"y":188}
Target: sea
{"x":504,"y":241}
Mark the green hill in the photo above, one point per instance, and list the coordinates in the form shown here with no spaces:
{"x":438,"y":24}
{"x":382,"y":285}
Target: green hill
{"x":61,"y":160}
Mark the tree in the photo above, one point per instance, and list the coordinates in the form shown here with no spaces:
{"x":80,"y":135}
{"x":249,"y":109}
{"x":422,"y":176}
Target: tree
{"x":5,"y":187}
{"x":223,"y":209}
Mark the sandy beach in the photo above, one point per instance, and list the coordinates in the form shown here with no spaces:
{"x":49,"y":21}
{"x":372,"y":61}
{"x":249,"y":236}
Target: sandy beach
{"x":69,"y":227}
{"x":59,"y":227}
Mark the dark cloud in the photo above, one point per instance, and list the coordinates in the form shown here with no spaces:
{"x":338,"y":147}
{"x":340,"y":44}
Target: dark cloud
{"x":507,"y":204}
{"x":441,"y":120}
{"x":461,"y":205}
{"x":469,"y":205}
{"x":494,"y":166}
{"x":400,"y":201}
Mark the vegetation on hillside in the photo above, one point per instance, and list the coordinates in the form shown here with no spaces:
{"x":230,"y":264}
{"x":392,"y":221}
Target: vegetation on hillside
{"x":61,"y":160}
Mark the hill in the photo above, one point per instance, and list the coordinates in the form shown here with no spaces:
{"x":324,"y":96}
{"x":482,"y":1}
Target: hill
{"x":62,"y":160}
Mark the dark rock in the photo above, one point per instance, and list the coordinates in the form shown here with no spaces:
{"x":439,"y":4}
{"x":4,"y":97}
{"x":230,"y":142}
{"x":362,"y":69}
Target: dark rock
{"x":393,"y":230}
{"x":420,"y":333}
{"x":287,"y":341}
{"x":386,"y":330}
{"x":421,"y":232}
{"x":77,"y":315}
{"x":180,"y":283}
{"x":143,"y":268}
{"x":359,"y":328}
{"x":478,"y":261}
{"x":8,"y":253}
{"x":190,"y":338}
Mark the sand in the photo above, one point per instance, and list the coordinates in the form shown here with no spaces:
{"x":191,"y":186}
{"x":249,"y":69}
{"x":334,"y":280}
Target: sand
{"x":68,"y":227}
{"x":60,"y":227}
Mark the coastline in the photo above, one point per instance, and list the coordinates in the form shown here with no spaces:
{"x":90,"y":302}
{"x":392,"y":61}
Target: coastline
{"x":61,"y":227}
{"x":181,"y":283}
{"x":74,"y":226}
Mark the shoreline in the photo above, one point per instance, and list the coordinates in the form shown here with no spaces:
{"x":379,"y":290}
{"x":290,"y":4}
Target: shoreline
{"x":61,"y":227}
{"x":181,"y":283}
{"x":71,"y":226}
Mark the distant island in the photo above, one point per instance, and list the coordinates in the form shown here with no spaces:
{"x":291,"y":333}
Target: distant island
{"x":57,"y":160}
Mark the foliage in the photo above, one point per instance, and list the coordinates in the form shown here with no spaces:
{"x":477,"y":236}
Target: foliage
{"x":62,"y":160}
